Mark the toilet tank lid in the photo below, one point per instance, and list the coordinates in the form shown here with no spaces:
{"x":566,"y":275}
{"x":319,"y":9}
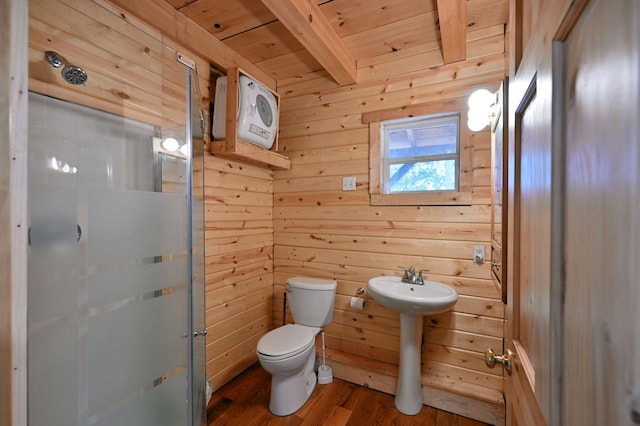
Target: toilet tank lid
{"x":312,"y":283}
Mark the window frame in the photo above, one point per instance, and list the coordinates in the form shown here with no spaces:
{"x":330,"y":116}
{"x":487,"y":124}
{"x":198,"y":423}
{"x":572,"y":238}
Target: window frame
{"x":423,"y":121}
{"x":461,"y":197}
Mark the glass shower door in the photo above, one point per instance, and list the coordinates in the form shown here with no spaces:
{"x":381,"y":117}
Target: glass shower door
{"x":112,"y":232}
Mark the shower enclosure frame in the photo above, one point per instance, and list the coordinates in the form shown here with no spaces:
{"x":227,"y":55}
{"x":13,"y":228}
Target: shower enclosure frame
{"x":13,"y":246}
{"x":13,"y":214}
{"x":14,"y":211}
{"x":134,"y":183}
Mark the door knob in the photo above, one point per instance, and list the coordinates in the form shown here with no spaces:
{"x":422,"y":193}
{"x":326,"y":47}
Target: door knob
{"x":506,"y":360}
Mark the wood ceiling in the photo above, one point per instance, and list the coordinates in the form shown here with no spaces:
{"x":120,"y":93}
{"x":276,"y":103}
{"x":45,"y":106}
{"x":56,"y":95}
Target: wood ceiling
{"x":291,"y":38}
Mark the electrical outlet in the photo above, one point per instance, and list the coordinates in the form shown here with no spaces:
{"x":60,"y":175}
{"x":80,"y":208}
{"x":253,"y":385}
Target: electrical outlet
{"x":349,"y":183}
{"x":478,"y":254}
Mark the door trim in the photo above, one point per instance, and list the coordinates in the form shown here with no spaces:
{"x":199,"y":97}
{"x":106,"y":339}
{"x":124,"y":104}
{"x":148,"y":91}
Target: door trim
{"x":558,"y":192}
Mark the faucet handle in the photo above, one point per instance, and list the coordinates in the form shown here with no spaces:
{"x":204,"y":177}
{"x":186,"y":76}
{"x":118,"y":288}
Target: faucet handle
{"x":406,"y":272}
{"x":420,"y":279}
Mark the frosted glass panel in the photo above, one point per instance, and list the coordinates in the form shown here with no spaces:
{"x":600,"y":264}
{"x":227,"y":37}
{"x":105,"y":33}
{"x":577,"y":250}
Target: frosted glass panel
{"x":54,"y":252}
{"x":131,"y":347}
{"x":53,"y":371}
{"x":134,"y":225}
{"x":54,"y":219}
{"x":114,"y":286}
{"x":50,"y":299}
{"x":155,"y":407}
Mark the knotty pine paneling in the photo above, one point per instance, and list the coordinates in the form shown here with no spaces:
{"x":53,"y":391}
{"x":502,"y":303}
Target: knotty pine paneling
{"x":321,"y":231}
{"x":129,"y":72}
{"x":239,"y":264}
{"x":350,"y":18}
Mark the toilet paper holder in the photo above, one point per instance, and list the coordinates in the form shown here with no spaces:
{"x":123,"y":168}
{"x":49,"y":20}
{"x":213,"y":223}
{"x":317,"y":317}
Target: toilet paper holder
{"x":360,"y":300}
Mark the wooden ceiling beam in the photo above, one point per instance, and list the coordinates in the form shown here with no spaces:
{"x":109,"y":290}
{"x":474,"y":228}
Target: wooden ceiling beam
{"x":307,"y":23}
{"x":452,"y":15}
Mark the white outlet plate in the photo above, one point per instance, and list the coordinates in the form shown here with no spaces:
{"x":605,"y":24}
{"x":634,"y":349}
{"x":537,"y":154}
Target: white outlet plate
{"x":478,"y":254}
{"x":349,"y":183}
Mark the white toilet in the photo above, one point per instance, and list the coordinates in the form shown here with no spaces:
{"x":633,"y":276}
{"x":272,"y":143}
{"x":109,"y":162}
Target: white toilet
{"x":289,"y":352}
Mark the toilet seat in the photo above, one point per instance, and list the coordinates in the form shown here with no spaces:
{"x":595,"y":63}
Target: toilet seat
{"x":286,"y":341}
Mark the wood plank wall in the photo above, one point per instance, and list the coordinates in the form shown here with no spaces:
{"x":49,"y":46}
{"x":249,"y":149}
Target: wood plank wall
{"x":129,"y":73}
{"x":239,"y":264}
{"x":324,"y":232}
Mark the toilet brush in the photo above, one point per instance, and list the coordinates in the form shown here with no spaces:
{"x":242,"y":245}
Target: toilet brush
{"x":325,"y":375}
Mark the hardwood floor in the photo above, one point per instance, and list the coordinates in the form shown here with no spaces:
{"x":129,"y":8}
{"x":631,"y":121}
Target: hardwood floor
{"x":245,"y":401}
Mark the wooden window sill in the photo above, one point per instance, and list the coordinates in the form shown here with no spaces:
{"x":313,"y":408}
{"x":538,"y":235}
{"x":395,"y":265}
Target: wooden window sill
{"x":443,"y":198}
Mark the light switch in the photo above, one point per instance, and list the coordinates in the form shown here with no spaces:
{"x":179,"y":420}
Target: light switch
{"x":478,"y":254}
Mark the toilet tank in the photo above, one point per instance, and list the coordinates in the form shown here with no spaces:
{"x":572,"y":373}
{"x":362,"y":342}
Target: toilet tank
{"x":311,"y":300}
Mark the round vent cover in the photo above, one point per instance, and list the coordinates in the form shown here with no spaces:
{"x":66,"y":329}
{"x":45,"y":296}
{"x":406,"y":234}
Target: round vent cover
{"x":264,"y":109}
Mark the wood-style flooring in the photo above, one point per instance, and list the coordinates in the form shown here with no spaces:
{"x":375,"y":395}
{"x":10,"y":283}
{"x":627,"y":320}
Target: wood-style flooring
{"x":245,"y":401}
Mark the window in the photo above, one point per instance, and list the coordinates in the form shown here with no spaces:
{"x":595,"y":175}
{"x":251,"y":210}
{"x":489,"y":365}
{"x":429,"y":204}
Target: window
{"x":420,"y":155}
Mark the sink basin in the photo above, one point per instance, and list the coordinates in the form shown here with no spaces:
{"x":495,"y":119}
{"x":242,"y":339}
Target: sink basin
{"x":412,"y":301}
{"x":428,"y":299}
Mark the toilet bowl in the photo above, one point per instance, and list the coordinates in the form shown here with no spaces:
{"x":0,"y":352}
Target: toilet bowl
{"x":288,"y":352}
{"x":292,"y":370}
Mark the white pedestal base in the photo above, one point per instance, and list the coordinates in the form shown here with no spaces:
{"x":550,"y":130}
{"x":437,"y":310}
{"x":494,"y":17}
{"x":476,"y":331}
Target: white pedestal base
{"x":409,"y":390}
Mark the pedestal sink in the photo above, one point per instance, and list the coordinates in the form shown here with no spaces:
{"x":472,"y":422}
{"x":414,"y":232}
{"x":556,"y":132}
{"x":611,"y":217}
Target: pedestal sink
{"x":412,"y":301}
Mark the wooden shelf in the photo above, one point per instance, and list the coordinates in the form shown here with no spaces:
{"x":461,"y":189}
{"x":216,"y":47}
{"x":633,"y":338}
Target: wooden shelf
{"x":237,"y":148}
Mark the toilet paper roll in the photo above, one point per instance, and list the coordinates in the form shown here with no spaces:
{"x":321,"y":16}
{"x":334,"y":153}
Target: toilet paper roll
{"x":357,"y":303}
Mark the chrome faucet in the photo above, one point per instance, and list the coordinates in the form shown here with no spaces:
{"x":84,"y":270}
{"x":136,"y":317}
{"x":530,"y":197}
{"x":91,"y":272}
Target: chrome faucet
{"x":411,"y":277}
{"x":409,"y":274}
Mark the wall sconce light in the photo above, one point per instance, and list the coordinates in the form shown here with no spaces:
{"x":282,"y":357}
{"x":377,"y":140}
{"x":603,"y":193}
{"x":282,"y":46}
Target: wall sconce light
{"x":481,"y":104}
{"x":172,"y":145}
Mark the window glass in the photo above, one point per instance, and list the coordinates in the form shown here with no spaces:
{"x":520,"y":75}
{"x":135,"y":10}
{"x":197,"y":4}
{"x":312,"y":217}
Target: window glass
{"x":423,"y":176}
{"x":421,"y":154}
{"x":420,"y":141}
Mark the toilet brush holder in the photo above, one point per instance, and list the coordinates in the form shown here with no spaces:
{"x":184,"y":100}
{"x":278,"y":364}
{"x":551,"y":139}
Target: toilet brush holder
{"x":325,"y":374}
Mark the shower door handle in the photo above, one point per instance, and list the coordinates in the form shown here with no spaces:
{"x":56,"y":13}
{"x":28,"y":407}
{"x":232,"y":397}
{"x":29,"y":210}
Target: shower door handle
{"x":78,"y":234}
